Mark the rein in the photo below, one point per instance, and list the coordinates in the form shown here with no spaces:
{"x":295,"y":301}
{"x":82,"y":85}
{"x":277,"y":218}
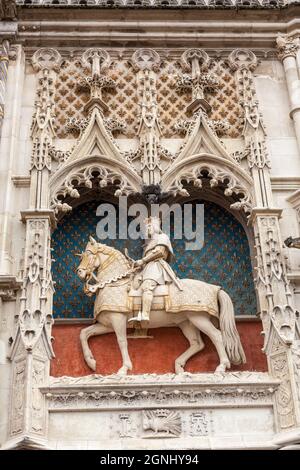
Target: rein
{"x":92,"y":288}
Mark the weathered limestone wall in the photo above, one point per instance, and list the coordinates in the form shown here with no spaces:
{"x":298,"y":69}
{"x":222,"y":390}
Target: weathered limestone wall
{"x":240,"y":415}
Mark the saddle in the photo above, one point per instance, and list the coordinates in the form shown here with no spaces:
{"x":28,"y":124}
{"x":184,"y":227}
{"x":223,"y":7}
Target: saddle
{"x":135,"y":294}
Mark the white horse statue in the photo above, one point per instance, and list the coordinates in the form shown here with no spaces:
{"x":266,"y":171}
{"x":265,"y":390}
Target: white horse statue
{"x":193,"y":309}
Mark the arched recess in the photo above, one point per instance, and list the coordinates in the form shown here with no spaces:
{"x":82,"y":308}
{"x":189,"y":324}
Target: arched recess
{"x":224,"y":259}
{"x":218,"y":179}
{"x":80,"y":176}
{"x":214,"y":172}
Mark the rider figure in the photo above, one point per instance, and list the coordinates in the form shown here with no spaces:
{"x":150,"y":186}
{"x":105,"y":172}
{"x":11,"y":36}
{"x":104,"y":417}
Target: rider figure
{"x":156,"y":270}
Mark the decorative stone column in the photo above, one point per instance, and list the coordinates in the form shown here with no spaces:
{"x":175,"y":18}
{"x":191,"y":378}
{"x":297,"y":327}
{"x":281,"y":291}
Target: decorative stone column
{"x":196,"y":63}
{"x":31,"y":347}
{"x":278,"y":315}
{"x":288,"y":49}
{"x":4,"y":59}
{"x":146,"y":63}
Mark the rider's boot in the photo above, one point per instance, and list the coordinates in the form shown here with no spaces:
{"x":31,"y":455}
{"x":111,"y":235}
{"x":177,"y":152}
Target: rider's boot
{"x":144,"y":315}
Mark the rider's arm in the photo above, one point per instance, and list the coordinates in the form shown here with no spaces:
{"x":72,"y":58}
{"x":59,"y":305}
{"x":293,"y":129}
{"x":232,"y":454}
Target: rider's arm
{"x":158,"y":252}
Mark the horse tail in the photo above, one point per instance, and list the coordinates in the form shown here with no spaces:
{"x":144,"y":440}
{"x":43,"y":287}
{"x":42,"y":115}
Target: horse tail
{"x":229,"y":331}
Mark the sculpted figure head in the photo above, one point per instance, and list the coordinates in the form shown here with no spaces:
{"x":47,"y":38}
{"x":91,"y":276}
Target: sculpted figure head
{"x":152,"y":226}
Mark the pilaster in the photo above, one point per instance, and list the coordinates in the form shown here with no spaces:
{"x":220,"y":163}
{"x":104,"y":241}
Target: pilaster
{"x":31,"y":349}
{"x":288,"y":53}
{"x":280,"y":329}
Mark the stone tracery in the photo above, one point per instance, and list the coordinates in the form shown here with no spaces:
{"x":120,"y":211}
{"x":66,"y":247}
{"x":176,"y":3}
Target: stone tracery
{"x":117,"y":129}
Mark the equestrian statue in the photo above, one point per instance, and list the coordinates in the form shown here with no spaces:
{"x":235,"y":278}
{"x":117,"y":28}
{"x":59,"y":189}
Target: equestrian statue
{"x":146,"y":294}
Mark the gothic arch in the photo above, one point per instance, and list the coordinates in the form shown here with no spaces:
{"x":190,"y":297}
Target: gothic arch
{"x":218,"y":171}
{"x":65,"y":182}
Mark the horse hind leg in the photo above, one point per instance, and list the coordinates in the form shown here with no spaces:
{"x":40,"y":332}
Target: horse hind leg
{"x":196,"y":345}
{"x":85,"y":334}
{"x":204,"y":324}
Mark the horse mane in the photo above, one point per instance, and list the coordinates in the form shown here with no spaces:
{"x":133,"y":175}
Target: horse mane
{"x":107,"y":250}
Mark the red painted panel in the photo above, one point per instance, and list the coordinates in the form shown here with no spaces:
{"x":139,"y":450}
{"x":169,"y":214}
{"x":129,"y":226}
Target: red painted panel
{"x":155,"y":355}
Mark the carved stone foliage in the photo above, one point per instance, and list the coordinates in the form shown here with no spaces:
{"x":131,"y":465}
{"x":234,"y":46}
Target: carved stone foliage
{"x":197,"y":62}
{"x":28,"y":412}
{"x":215,"y":176}
{"x":244,"y":62}
{"x":272,"y":282}
{"x":85,"y":177}
{"x":96,"y":61}
{"x":284,"y":395}
{"x":287,"y":47}
{"x":45,"y":62}
{"x":35,"y":314}
{"x":146,"y":62}
{"x":161,"y":406}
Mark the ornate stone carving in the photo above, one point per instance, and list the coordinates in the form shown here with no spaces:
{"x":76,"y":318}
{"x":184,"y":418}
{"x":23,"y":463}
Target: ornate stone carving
{"x":17,"y":410}
{"x":199,"y":424}
{"x":123,"y":103}
{"x":187,"y":297}
{"x":4,"y":59}
{"x":97,"y":61}
{"x":215,"y":176}
{"x":9,"y":287}
{"x":284,"y":396}
{"x":146,"y":62}
{"x":145,"y":59}
{"x":287,"y":46}
{"x":242,"y":59}
{"x":46,"y":59}
{"x":8,"y":10}
{"x":128,"y":429}
{"x":37,"y":287}
{"x":199,"y":4}
{"x":162,"y":422}
{"x":197,"y":62}
{"x":234,"y":378}
{"x":148,"y":391}
{"x":97,"y":173}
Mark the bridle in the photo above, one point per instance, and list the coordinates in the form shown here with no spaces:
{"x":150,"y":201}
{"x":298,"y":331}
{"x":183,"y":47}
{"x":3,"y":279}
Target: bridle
{"x":89,"y":267}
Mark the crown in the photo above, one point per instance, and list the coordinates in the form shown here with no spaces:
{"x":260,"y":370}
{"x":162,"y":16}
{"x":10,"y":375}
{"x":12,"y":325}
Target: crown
{"x":152,"y":220}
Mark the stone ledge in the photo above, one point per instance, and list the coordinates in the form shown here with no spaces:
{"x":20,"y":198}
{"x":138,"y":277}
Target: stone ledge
{"x":162,"y":4}
{"x":219,"y":390}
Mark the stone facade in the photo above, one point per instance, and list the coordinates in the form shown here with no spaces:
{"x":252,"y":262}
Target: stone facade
{"x":115,"y":95}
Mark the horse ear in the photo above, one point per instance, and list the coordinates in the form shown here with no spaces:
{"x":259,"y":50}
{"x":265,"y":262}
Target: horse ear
{"x":92,"y":240}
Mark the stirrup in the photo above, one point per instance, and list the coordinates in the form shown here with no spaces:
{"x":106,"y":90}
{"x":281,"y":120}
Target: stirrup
{"x":137,"y":318}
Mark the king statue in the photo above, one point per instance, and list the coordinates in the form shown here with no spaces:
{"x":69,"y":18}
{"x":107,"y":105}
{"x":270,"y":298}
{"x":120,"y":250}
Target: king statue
{"x":155,"y":266}
{"x":150,"y":286}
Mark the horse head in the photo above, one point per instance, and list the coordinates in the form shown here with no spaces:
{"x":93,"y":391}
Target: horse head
{"x":97,"y":256}
{"x":90,"y":260}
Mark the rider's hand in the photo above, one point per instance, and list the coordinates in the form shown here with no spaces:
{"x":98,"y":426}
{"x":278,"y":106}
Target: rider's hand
{"x":138,"y":263}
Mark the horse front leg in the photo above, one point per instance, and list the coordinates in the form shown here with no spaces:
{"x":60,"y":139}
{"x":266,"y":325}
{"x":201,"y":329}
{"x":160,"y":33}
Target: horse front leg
{"x":85,"y":334}
{"x":119,"y":324}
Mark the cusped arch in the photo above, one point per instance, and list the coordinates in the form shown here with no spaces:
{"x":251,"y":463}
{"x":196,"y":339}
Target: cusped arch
{"x":66,"y":182}
{"x":218,"y":171}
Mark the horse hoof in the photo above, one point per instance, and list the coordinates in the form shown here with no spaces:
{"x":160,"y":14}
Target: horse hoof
{"x":179,"y":369}
{"x":222,"y":367}
{"x":123,"y":371}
